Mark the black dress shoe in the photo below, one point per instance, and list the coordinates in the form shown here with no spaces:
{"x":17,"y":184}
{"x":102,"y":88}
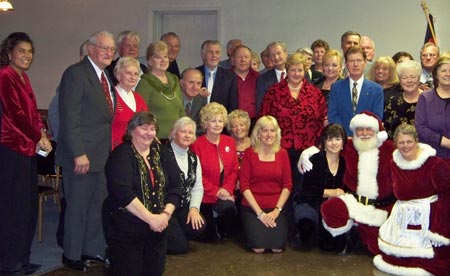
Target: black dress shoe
{"x":97,"y":260}
{"x":30,"y":268}
{"x":77,"y":265}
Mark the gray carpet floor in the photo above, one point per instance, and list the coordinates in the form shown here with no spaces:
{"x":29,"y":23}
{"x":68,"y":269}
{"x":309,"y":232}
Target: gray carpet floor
{"x":47,"y":253}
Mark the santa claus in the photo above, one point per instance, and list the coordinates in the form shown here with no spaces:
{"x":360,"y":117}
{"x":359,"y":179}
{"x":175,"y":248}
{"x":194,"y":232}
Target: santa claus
{"x":369,"y":197}
{"x":415,"y":239}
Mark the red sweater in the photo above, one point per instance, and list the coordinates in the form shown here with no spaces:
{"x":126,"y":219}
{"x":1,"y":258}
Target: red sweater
{"x":122,"y":115}
{"x":209,"y":153}
{"x":265,"y":179}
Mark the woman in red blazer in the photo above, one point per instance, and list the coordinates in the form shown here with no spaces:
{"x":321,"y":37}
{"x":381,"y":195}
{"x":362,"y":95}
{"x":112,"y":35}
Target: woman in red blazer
{"x":220,"y":168}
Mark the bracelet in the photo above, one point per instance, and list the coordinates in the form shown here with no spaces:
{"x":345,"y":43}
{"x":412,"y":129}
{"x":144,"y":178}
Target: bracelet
{"x":279,"y":208}
{"x":260,"y":214}
{"x":167,"y":213}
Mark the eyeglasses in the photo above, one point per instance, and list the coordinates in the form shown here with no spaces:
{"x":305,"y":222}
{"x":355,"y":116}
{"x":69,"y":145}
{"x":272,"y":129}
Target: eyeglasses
{"x":105,"y":49}
{"x":428,"y":55}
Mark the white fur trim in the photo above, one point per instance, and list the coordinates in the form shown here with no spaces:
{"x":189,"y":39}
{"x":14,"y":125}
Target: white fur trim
{"x":382,"y":136}
{"x":338,"y":231}
{"x":367,"y":173}
{"x":427,"y":152}
{"x":366,"y":214}
{"x":405,"y":252}
{"x":437,"y":239}
{"x":364,"y":120}
{"x":398,"y":270}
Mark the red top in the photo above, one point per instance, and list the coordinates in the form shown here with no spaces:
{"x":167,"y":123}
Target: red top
{"x":301,"y":119}
{"x":122,"y":115}
{"x":247,"y":92}
{"x":21,"y":122}
{"x":265,"y":179}
{"x":209,"y":154}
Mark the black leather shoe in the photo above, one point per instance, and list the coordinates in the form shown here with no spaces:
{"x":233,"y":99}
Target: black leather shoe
{"x":77,"y":265}
{"x":90,"y":260}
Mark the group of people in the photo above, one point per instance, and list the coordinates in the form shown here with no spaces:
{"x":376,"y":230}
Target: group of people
{"x":139,"y":182}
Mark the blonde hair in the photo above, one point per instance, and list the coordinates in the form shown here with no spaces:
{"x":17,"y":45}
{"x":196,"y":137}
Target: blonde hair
{"x":211,"y":110}
{"x":156,"y":48}
{"x":333,"y":53}
{"x":296,"y":59}
{"x":238,"y":114}
{"x":405,"y":129}
{"x":261,"y":123}
{"x":390,"y":64}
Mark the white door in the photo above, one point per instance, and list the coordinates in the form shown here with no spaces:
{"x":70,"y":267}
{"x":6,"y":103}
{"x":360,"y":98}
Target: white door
{"x":193,"y":27}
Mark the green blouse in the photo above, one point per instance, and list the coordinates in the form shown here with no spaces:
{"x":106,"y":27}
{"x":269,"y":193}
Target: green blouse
{"x":163,"y":100}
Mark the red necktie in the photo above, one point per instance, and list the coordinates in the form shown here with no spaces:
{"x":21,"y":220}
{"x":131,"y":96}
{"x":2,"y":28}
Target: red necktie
{"x":283,"y":74}
{"x":106,"y":91}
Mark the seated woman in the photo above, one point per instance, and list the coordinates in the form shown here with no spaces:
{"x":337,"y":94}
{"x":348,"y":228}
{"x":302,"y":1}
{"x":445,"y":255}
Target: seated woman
{"x":238,"y":126}
{"x":186,"y":222}
{"x":143,"y":190}
{"x":322,"y":182}
{"x":383,"y":72}
{"x":265,"y":184}
{"x":220,"y":169}
{"x":415,"y":239}
{"x":127,"y":72}
{"x":401,"y":107}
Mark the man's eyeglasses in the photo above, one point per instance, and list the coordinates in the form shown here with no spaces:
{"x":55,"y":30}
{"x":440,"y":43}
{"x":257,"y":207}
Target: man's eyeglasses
{"x":105,"y":49}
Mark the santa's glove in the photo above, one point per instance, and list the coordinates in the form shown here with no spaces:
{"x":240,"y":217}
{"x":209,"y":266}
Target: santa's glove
{"x":304,"y":165}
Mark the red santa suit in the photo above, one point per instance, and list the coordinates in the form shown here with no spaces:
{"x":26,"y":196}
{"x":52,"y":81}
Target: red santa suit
{"x":415,"y":239}
{"x":369,"y":196}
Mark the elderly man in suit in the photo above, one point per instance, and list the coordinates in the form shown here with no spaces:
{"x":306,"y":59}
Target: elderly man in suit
{"x":86,"y":107}
{"x":191,"y":87}
{"x":220,"y":82}
{"x":354,"y":94}
{"x":278,"y":54}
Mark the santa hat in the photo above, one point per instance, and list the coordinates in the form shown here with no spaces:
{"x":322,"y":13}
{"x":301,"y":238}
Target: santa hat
{"x":368,"y":119}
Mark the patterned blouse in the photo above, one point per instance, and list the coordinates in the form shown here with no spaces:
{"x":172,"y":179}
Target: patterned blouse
{"x":396,"y":112}
{"x":301,"y":119}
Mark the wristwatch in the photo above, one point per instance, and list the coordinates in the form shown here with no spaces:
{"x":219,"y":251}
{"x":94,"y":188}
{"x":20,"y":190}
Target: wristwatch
{"x":279,"y":209}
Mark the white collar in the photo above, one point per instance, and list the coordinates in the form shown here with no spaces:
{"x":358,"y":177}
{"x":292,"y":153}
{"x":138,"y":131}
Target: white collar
{"x":427,"y":152}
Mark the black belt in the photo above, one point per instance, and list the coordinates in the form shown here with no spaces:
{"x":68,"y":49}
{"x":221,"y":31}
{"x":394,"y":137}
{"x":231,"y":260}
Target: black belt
{"x":375,"y":202}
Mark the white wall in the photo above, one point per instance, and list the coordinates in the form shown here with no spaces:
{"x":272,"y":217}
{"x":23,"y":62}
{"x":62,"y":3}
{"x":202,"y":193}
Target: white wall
{"x":59,"y":26}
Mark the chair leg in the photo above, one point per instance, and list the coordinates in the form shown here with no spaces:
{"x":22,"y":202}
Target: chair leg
{"x":40,"y":219}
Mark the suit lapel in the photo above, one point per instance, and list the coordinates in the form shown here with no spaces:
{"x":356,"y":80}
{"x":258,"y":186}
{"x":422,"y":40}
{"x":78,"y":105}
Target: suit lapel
{"x":98,"y":89}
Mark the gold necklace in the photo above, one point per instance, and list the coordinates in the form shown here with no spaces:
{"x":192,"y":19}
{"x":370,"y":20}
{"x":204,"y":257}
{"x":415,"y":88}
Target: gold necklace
{"x":167,"y":97}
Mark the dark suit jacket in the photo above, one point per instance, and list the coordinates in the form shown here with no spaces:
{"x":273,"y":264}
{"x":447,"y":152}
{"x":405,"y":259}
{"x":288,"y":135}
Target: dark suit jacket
{"x":110,"y":69}
{"x":263,"y":83}
{"x":225,"y":89}
{"x":340,"y":107}
{"x":85,"y":118}
{"x":197,"y":103}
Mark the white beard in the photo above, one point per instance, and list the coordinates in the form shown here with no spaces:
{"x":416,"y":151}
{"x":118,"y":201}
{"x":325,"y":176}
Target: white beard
{"x":362,"y":145}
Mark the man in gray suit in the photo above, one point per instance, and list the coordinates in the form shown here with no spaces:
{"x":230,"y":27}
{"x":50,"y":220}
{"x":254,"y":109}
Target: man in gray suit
{"x":194,"y":95}
{"x":86,"y":106}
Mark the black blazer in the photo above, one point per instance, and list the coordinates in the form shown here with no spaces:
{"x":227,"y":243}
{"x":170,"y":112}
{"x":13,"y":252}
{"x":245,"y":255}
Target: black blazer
{"x":225,"y":90}
{"x":85,"y":118}
{"x":263,"y":83}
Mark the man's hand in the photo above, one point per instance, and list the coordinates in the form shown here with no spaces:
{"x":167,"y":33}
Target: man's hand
{"x":81,"y":164}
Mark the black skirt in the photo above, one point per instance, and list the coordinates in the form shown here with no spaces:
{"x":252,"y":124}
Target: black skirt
{"x":260,"y":236}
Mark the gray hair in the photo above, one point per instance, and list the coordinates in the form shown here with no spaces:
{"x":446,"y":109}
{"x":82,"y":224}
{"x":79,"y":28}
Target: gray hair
{"x":179,"y":124}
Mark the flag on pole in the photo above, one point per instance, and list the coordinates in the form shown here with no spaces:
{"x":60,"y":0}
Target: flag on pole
{"x":430,"y":33}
